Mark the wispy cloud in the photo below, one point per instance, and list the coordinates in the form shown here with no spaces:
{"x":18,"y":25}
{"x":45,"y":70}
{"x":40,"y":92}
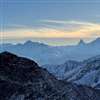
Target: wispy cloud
{"x":89,"y":29}
{"x":51,"y":29}
{"x":70,"y":22}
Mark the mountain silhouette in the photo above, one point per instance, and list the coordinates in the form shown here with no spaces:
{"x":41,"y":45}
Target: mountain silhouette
{"x":23,"y":79}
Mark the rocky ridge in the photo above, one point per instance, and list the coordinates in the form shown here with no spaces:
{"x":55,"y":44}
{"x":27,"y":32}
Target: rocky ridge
{"x":23,"y":79}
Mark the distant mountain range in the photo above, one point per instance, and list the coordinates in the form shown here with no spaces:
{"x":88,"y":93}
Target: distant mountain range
{"x":23,"y":79}
{"x":45,"y":54}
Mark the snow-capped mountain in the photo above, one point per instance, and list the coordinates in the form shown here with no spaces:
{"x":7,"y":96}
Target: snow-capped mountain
{"x":60,"y":70}
{"x":84,"y":73}
{"x":45,"y":54}
{"x":88,"y":74}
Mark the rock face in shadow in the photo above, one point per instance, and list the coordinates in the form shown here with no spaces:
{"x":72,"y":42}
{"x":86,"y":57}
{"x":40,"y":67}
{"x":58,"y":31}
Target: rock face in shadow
{"x":23,"y":79}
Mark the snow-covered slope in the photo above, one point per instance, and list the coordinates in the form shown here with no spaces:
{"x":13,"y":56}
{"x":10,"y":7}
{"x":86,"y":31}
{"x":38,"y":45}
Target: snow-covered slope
{"x":88,"y":74}
{"x":85,"y":73}
{"x":60,"y":70}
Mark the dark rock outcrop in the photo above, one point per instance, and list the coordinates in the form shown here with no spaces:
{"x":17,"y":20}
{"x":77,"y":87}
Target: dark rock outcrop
{"x":23,"y":79}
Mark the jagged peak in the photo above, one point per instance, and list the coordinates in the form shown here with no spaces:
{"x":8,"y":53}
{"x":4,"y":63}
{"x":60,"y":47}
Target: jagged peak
{"x":81,"y":42}
{"x":29,"y":42}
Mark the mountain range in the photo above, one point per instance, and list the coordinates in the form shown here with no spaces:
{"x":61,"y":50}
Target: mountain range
{"x":23,"y":79}
{"x":86,"y":72}
{"x":45,"y":54}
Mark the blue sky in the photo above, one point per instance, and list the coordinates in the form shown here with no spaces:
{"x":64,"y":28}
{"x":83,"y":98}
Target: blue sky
{"x":49,"y":19}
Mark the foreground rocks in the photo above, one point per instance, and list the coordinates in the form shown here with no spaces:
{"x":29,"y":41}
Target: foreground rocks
{"x":23,"y":79}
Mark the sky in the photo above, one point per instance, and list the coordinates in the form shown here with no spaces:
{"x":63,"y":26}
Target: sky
{"x":62,"y":21}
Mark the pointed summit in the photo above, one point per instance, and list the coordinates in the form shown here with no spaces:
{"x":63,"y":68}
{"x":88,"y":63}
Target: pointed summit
{"x":81,"y":42}
{"x":31,"y":43}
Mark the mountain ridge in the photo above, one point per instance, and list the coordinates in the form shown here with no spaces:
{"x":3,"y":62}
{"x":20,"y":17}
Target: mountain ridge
{"x":80,"y":41}
{"x":21,"y":78}
{"x":45,"y":54}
